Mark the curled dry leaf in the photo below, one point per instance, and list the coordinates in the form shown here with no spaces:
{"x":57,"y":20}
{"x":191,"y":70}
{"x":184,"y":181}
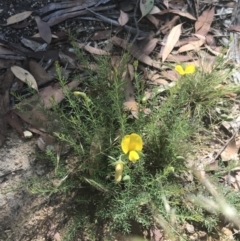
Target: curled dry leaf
{"x":100,"y":35}
{"x":150,"y":46}
{"x":24,"y":76}
{"x":180,"y":58}
{"x":153,"y":20}
{"x":67,"y":59}
{"x":92,"y":50}
{"x":171,"y":41}
{"x":146,"y":6}
{"x":235,"y":28}
{"x":171,"y":75}
{"x":179,"y":12}
{"x":44,"y":30}
{"x":123,"y":18}
{"x":231,"y":151}
{"x":18,"y":17}
{"x":136,"y":52}
{"x":53,"y":94}
{"x":195,"y":45}
{"x":211,"y":50}
{"x":37,"y":35}
{"x":14,"y":121}
{"x":183,"y":14}
{"x":155,"y":233}
{"x":39,"y":73}
{"x":203,"y":23}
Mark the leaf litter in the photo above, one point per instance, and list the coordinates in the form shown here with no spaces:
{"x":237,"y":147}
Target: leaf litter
{"x":163,"y":34}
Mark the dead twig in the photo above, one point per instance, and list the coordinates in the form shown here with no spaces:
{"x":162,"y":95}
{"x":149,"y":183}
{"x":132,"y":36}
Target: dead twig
{"x":136,"y":23}
{"x":223,"y":148}
{"x":14,"y":57}
{"x":115,"y":23}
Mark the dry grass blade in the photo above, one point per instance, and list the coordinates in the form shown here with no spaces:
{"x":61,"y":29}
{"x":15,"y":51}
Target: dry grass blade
{"x":171,"y":41}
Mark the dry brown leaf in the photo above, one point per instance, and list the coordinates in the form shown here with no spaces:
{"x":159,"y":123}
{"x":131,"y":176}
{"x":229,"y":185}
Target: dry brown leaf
{"x":171,"y":75}
{"x":14,"y":121}
{"x":136,"y":52}
{"x":184,"y":41}
{"x":130,"y":105}
{"x":203,"y":23}
{"x":33,"y":117}
{"x":37,"y":35}
{"x":149,"y":46}
{"x":179,"y":12}
{"x":44,"y":30}
{"x":116,"y":61}
{"x":171,"y":41}
{"x":195,"y":45}
{"x":100,"y":35}
{"x":67,"y":59}
{"x":211,"y":50}
{"x":39,"y":73}
{"x":210,"y":41}
{"x":57,"y":237}
{"x":123,"y":18}
{"x":153,"y":20}
{"x":183,"y":14}
{"x":159,"y":81}
{"x":179,"y":58}
{"x":235,"y":28}
{"x":24,"y":76}
{"x":131,"y":71}
{"x":230,"y":152}
{"x":169,"y":25}
{"x":54,"y":94}
{"x":155,"y":234}
{"x":92,"y":50}
{"x":18,"y":17}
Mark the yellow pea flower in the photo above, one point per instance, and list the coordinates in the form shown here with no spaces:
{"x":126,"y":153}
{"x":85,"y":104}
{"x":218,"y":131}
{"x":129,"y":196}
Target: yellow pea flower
{"x":189,"y":69}
{"x":118,"y":171}
{"x":131,"y":144}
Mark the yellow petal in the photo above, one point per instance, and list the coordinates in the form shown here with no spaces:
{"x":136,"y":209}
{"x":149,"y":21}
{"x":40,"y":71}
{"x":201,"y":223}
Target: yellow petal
{"x":179,"y":69}
{"x":118,"y":172}
{"x":133,"y":156}
{"x":136,"y":143}
{"x":190,"y":69}
{"x":125,"y":144}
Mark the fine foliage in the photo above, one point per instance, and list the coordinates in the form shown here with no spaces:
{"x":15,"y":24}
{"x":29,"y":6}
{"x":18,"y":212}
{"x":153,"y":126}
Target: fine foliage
{"x":129,"y":169}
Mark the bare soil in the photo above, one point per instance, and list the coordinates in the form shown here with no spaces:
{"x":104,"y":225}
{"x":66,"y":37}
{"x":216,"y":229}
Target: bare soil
{"x":23,"y":215}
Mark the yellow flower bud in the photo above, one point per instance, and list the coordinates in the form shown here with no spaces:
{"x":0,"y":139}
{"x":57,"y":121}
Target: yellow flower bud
{"x":118,"y":171}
